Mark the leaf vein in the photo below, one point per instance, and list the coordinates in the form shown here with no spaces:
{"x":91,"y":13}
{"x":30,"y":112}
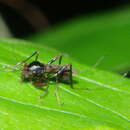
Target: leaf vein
{"x":45,"y":108}
{"x":99,"y":105}
{"x":100,"y":84}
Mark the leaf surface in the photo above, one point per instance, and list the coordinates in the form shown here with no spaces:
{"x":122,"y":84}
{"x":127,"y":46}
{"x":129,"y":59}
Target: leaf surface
{"x":99,"y":100}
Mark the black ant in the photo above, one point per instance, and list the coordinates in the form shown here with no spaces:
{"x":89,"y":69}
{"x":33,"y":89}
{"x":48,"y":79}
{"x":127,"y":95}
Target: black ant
{"x":40,"y":74}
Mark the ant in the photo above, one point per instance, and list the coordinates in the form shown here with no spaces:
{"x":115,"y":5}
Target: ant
{"x":40,"y":74}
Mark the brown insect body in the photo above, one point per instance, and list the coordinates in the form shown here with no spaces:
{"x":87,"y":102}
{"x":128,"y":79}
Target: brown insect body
{"x":39,"y":74}
{"x":64,"y":76}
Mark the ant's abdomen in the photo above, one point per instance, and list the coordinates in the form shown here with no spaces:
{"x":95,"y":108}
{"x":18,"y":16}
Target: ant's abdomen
{"x":65,"y":78}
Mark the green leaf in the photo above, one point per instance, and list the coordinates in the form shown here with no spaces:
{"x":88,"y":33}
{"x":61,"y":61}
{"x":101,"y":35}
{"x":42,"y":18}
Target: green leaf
{"x":99,"y":100}
{"x":89,"y":38}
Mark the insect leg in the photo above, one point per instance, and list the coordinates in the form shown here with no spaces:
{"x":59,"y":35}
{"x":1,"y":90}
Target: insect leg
{"x":35,"y":53}
{"x":56,"y":92}
{"x":55,"y":58}
{"x":71,"y":80}
{"x":70,"y":75}
{"x":24,"y":61}
{"x":45,"y":92}
{"x":57,"y":75}
{"x":57,"y":95}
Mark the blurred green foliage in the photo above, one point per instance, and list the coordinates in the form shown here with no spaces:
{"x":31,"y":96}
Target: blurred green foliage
{"x":89,"y":38}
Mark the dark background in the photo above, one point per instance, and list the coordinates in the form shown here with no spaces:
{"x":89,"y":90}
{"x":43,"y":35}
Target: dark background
{"x":56,"y":12}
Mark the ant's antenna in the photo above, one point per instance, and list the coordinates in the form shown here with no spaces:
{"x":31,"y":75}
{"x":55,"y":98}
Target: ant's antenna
{"x":122,"y":77}
{"x":125,"y":74}
{"x":99,"y":61}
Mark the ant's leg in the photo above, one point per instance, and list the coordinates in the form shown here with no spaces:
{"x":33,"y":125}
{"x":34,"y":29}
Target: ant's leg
{"x":71,"y":80}
{"x":56,"y":92}
{"x":70,"y":75}
{"x":57,"y":95}
{"x":55,"y":58}
{"x":60,"y":59}
{"x":20,"y":63}
{"x":57,"y":75}
{"x":45,"y":92}
{"x":35,"y":53}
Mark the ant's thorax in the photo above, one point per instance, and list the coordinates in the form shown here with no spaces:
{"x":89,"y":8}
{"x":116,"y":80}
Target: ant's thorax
{"x":37,"y":66}
{"x":52,"y":68}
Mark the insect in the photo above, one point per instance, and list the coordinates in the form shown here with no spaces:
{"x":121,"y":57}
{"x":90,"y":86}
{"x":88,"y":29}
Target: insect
{"x":40,"y":73}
